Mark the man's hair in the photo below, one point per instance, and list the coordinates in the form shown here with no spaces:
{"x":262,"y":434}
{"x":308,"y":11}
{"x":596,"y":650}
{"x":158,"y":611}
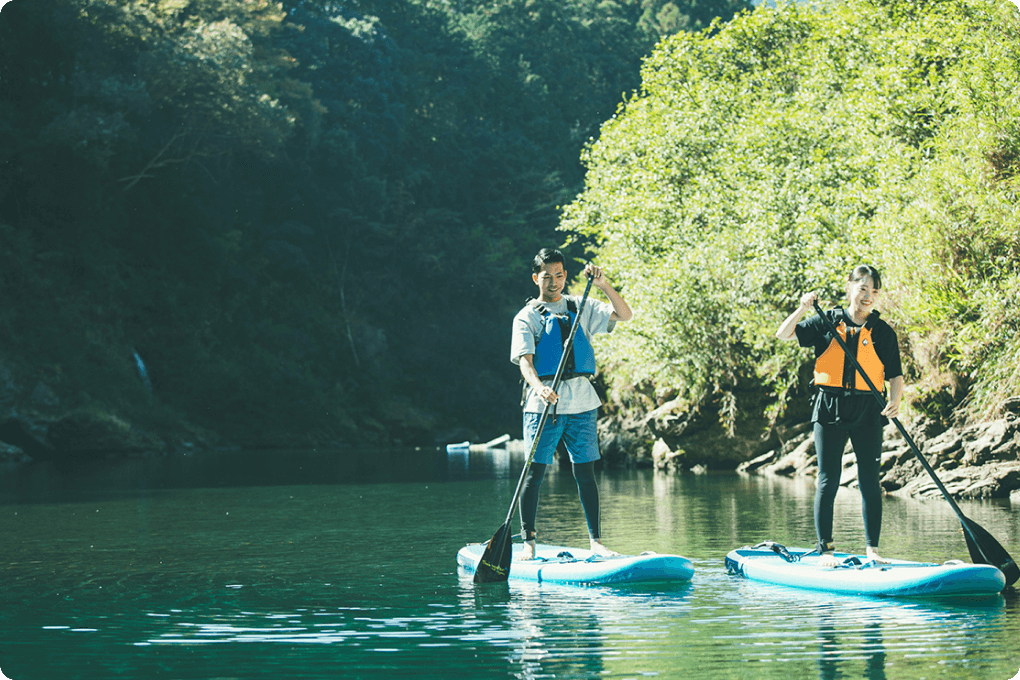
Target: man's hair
{"x":862,"y":270}
{"x":547,"y":256}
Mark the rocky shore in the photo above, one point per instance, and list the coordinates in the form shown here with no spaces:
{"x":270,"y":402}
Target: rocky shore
{"x":36,"y":424}
{"x":973,"y":461}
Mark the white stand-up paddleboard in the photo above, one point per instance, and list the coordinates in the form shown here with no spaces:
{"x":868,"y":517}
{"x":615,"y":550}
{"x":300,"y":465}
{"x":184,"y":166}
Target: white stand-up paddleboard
{"x":858,"y":575}
{"x":559,"y":564}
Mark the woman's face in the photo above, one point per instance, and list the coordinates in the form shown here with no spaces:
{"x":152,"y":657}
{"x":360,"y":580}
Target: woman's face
{"x":862,"y":295}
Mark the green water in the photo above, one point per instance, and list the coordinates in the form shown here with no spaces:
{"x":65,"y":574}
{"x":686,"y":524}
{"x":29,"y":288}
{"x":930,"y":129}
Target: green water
{"x":342,"y":565}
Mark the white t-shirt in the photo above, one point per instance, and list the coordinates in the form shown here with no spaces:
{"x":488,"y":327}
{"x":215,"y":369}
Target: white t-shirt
{"x":577,"y":394}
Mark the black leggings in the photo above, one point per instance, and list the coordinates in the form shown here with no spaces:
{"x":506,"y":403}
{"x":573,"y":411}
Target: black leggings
{"x":587,"y":489}
{"x":830,"y":442}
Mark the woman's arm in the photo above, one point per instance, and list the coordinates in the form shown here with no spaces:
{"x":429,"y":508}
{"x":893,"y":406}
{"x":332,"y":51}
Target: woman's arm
{"x":788,"y":329}
{"x":892,"y":407}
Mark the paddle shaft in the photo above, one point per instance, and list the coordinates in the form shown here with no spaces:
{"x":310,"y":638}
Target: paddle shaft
{"x":568,"y":348}
{"x":899,"y":426}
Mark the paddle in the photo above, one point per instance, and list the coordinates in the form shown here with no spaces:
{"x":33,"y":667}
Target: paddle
{"x":494,"y":566}
{"x":983,"y":548}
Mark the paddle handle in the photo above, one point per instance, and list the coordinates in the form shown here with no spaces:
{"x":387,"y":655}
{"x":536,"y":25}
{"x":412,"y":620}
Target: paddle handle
{"x":899,"y":426}
{"x":568,"y":347}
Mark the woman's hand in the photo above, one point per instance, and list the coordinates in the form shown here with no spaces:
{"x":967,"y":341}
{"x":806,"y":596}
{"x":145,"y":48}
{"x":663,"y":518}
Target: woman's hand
{"x":808,"y":300}
{"x":788,"y":329}
{"x":892,"y":408}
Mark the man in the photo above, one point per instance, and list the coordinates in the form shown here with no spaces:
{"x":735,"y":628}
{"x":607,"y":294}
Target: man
{"x":539,"y":331}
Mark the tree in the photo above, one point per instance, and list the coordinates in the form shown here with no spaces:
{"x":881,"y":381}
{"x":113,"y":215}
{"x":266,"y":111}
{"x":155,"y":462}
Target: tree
{"x":768,"y":157}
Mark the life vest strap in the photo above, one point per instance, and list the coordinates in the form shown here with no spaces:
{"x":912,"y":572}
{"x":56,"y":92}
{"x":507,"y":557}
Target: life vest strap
{"x":568,"y":376}
{"x":842,"y":391}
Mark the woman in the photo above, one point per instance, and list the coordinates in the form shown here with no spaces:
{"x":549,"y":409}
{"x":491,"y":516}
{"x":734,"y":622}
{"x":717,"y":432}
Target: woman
{"x":844,"y":406}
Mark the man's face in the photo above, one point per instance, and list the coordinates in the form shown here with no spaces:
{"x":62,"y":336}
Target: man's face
{"x":550,"y":281}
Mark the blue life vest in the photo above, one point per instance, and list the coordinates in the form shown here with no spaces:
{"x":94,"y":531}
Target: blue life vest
{"x":549,"y":347}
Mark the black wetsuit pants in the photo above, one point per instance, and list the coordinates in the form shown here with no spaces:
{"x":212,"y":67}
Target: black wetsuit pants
{"x":587,"y":489}
{"x":830,"y":441}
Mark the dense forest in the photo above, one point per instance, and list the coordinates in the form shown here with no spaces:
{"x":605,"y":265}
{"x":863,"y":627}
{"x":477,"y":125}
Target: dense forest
{"x":259,"y":223}
{"x":310,"y":222}
{"x":768,"y":157}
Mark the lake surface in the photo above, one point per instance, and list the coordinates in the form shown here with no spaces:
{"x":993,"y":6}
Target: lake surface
{"x":341,"y":564}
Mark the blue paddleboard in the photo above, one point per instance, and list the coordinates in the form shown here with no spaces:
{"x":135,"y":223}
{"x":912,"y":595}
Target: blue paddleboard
{"x":857,"y":575}
{"x":558,"y":564}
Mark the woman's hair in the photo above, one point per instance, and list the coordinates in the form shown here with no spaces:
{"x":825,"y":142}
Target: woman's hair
{"x":862,"y":270}
{"x":547,"y":256}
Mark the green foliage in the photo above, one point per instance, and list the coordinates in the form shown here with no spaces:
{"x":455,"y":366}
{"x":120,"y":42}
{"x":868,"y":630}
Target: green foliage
{"x":770,"y":155}
{"x":308,"y":218}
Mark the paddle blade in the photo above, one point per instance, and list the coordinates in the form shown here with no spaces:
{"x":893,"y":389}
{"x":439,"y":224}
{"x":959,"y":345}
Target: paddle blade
{"x":494,"y":566}
{"x":984,"y":549}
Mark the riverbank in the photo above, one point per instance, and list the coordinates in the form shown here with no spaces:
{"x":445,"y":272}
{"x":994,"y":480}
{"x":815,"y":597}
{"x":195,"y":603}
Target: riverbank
{"x":973,"y":461}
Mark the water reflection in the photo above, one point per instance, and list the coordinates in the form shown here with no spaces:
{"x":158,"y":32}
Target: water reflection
{"x":316,"y":566}
{"x":574,"y":632}
{"x":863,"y":636}
{"x":837,"y":646}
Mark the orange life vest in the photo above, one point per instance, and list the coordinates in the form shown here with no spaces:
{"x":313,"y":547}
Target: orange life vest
{"x":829,"y":366}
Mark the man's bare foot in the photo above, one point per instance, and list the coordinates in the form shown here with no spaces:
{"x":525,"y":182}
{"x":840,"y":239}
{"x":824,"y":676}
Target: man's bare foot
{"x":601,"y":550}
{"x":873,"y":555}
{"x":527,"y":551}
{"x":827,"y":559}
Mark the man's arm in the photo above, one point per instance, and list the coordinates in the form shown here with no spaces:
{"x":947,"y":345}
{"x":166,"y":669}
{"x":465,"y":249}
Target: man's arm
{"x":621,"y":310}
{"x":531,"y":376}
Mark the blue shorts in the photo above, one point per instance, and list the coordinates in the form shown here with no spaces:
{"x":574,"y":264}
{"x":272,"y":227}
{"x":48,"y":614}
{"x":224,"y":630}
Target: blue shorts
{"x":576,"y":429}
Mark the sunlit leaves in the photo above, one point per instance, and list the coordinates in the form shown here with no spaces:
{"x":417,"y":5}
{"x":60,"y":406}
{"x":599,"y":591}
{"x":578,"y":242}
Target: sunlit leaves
{"x":768,"y":157}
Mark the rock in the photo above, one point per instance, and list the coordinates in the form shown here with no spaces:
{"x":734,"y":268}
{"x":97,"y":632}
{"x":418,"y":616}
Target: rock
{"x":665,"y":458}
{"x":996,"y":480}
{"x":8,"y":390}
{"x":978,"y":461}
{"x":848,"y":474}
{"x":767,"y":458}
{"x":44,"y":396}
{"x":895,"y":456}
{"x":801,"y":460}
{"x":901,"y":473}
{"x":12,"y":454}
{"x":921,"y":431}
{"x":27,"y":435}
{"x":625,"y":445}
{"x":1012,"y":406}
{"x":1009,"y":449}
{"x":86,"y":434}
{"x":942,"y":447}
{"x":700,"y":431}
{"x":977,"y":451}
